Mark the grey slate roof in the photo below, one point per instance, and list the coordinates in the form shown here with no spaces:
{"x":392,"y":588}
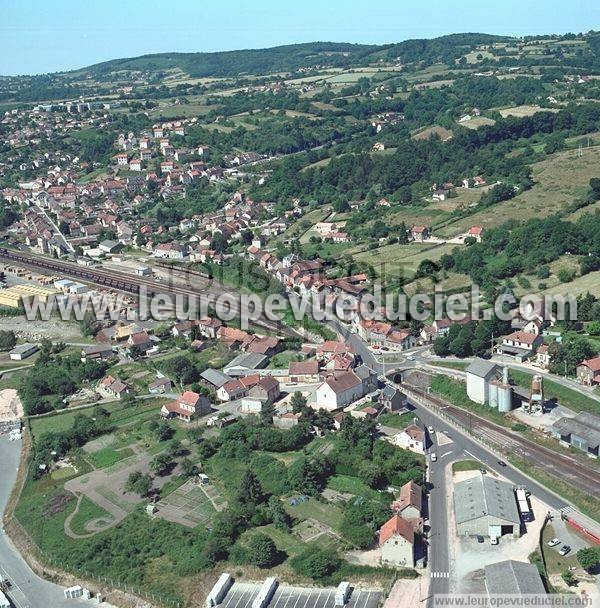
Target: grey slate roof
{"x":481,"y":368}
{"x":215,"y":377}
{"x":483,"y":495}
{"x":246,"y":360}
{"x":584,"y":425}
{"x":512,"y":577}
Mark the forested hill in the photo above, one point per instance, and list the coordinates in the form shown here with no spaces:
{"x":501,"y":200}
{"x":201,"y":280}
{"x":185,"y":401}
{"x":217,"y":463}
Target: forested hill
{"x":294,"y":56}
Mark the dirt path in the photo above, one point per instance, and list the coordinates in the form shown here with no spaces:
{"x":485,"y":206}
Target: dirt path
{"x":11,"y":407}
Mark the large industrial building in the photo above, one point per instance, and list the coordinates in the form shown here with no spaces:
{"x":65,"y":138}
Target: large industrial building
{"x":513,"y":578}
{"x":485,"y":506}
{"x":581,"y":432}
{"x":487,"y":383}
{"x":13,"y":296}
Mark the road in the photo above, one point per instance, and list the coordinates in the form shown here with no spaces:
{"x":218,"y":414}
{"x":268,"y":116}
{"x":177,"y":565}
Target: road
{"x":460,"y":447}
{"x":30,"y":591}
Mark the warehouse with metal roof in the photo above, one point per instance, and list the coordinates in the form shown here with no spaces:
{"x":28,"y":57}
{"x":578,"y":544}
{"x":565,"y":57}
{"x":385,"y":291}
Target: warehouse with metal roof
{"x":513,"y":578}
{"x":486,"y":506}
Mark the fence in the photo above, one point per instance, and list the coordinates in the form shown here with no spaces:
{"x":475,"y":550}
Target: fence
{"x":48,"y":559}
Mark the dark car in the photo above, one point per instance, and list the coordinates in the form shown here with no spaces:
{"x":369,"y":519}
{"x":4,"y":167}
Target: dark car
{"x":480,"y":538}
{"x":502,"y":463}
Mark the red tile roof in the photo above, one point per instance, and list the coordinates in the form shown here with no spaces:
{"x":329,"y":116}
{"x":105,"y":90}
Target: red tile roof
{"x":396,"y":525}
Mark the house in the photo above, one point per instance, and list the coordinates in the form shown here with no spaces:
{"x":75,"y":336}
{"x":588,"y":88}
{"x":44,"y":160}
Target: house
{"x":303,"y":371}
{"x":263,"y":393}
{"x":139,"y":342}
{"x":476,"y":232}
{"x":172,"y":251}
{"x":401,"y":339}
{"x":410,"y":502}
{"x":542,"y":357}
{"x":188,"y":406}
{"x":160,"y":386}
{"x":209,"y":327}
{"x":96,"y":352}
{"x":391,"y":398}
{"x":237,"y":387}
{"x":338,"y":391}
{"x":263,"y":345}
{"x":182,"y":329}
{"x":397,"y":542}
{"x":112,"y":388}
{"x":520,"y":344}
{"x":486,"y":506}
{"x":419,"y":233}
{"x":588,"y":371}
{"x":581,"y":432}
{"x":413,"y":438}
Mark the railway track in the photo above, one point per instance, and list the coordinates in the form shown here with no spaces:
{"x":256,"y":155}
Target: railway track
{"x":573,"y":470}
{"x":127,"y":283}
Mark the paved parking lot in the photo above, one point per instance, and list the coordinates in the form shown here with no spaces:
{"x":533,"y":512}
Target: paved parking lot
{"x":241,"y":595}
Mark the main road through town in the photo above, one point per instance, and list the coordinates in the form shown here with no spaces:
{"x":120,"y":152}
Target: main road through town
{"x":461,"y":446}
{"x":27,"y":589}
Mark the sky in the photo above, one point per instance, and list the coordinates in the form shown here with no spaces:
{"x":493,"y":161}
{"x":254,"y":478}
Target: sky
{"x":39,"y":36}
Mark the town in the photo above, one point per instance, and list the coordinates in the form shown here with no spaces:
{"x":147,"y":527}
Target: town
{"x":314,"y":461}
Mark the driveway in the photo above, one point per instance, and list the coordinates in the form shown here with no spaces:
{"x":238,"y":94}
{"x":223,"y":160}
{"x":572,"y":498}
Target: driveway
{"x":30,"y":591}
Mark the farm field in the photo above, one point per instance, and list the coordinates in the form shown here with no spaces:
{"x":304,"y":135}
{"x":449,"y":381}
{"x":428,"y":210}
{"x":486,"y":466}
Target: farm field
{"x":559,"y":180}
{"x":394,"y":260}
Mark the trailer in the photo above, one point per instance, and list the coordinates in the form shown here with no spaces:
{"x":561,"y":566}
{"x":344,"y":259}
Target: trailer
{"x":266,"y":593}
{"x":219,"y":591}
{"x":342,"y":593}
{"x":523,"y":504}
{"x":4,"y":603}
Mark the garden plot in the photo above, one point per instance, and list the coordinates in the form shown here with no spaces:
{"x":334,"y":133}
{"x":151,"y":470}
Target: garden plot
{"x":188,"y":505}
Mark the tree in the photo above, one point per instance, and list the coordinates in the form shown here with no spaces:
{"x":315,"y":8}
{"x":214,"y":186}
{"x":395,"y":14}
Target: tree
{"x":162,"y":464}
{"x":188,"y":468}
{"x":298,"y":402}
{"x":589,"y":558}
{"x":250,"y":491}
{"x":278,"y":514}
{"x":316,"y":563}
{"x":139,"y":484}
{"x":161,"y":429}
{"x":568,"y":577}
{"x":8,"y":340}
{"x":262,"y":551}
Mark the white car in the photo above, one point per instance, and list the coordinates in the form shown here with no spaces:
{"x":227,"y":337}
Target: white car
{"x":433,"y":456}
{"x":554,"y":542}
{"x":431,"y":429}
{"x":493,"y":540}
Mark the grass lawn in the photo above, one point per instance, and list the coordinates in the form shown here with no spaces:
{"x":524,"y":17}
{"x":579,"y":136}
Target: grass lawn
{"x":119,"y":416}
{"x":328,"y":514}
{"x":397,"y":421}
{"x":465,"y":465}
{"x":88,"y":511}
{"x":282,"y":360}
{"x":455,"y":391}
{"x":565,"y":396}
{"x":555,"y":563}
{"x":460,"y":365}
{"x":108,"y":456}
{"x":351,"y":485}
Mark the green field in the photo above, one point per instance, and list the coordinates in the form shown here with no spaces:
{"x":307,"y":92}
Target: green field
{"x":568,"y":397}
